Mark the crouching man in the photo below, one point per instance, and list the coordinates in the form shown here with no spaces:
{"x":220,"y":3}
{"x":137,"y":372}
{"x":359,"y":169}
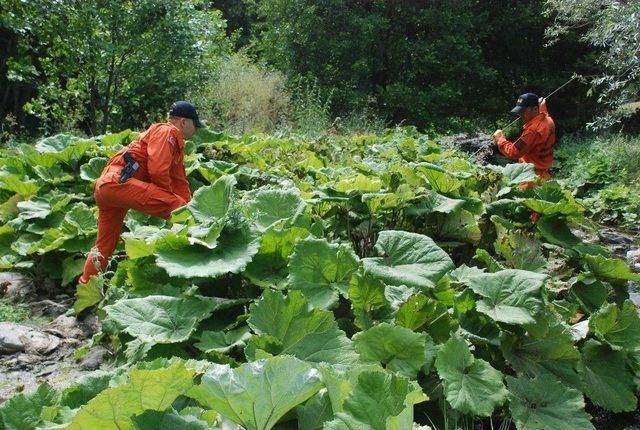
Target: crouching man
{"x":535,"y":144}
{"x":147,"y":175}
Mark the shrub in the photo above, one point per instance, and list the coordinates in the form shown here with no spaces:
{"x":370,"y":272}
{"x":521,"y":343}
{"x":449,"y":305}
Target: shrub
{"x":241,"y":96}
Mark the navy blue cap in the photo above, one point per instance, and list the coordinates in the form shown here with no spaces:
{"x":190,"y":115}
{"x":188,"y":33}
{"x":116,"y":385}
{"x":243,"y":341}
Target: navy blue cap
{"x":525,"y":101}
{"x":184,"y":109}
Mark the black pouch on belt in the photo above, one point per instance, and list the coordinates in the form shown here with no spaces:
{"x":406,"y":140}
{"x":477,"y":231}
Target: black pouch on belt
{"x":129,"y":168}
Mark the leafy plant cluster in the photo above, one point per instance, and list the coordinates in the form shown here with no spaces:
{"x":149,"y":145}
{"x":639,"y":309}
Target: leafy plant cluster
{"x":352,"y":282}
{"x":603,"y":173}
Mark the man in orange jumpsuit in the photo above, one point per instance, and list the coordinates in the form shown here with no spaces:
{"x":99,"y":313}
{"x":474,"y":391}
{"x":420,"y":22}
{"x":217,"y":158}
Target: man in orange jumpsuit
{"x":535,"y":144}
{"x":148,"y":175}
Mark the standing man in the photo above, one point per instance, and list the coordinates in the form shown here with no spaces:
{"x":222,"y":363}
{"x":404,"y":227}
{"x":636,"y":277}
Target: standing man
{"x":147,"y":175}
{"x":535,"y":144}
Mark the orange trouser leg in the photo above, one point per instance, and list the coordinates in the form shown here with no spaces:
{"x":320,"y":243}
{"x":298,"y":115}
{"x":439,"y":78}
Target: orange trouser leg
{"x":114,"y":200}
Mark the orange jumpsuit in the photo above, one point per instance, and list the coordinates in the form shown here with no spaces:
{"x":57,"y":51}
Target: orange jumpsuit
{"x":157,"y":188}
{"x":535,"y":144}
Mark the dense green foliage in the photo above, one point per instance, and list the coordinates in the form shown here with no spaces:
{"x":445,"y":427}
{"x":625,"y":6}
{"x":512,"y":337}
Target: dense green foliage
{"x":103,"y":65}
{"x":614,"y":28}
{"x":350,"y":282}
{"x":603,"y":172}
{"x":444,"y":63}
{"x":91,"y":65}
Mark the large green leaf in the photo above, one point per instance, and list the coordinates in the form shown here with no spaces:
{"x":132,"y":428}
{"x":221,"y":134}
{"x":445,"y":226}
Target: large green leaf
{"x":368,"y":300}
{"x":268,"y":268}
{"x":25,"y":411}
{"x":313,"y":414}
{"x":439,"y":180}
{"x":509,"y":296}
{"x":610,"y":268}
{"x":397,"y":348}
{"x":223,"y":342}
{"x":379,"y":401}
{"x":409,"y":259}
{"x":548,"y":349}
{"x":114,"y":408}
{"x":544,"y":404}
{"x":211,"y":203}
{"x":358,"y":183}
{"x":434,"y":202}
{"x":517,"y":173}
{"x":268,"y":207}
{"x":471,"y":385}
{"x":620,"y":328}
{"x":159,"y":319}
{"x":178,"y":257}
{"x":307,"y":333}
{"x":155,"y":420}
{"x":421,"y":311}
{"x":321,"y":270}
{"x":92,"y":170}
{"x":607,"y":380}
{"x":257,"y":394}
{"x":88,"y":294}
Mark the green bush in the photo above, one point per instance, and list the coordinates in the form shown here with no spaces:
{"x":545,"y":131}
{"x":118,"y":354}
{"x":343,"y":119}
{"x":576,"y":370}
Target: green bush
{"x":241,"y":96}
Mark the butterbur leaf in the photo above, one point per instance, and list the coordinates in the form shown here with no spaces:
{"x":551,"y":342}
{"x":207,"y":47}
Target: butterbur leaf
{"x":509,"y":296}
{"x":159,"y":319}
{"x":321,"y":270}
{"x":471,"y":385}
{"x":267,"y":207}
{"x":379,"y":401}
{"x":179,"y":258}
{"x":307,"y":333}
{"x":315,"y":412}
{"x":517,"y":173}
{"x":434,"y":202}
{"x":152,"y":389}
{"x":421,"y":311}
{"x":155,"y":420}
{"x":367,"y":296}
{"x":546,"y":351}
{"x":269,"y":266}
{"x":409,"y":259}
{"x":211,"y":203}
{"x":25,"y":411}
{"x":85,"y":389}
{"x":92,"y":170}
{"x":88,"y":294}
{"x":543,"y":404}
{"x":397,"y":348}
{"x":607,"y":380}
{"x":358,"y":183}
{"x":620,"y":328}
{"x":610,"y":268}
{"x":223,"y":342}
{"x":257,"y":394}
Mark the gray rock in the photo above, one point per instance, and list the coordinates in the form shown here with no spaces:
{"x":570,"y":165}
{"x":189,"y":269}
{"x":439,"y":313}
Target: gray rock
{"x":614,"y":237}
{"x":15,"y":285}
{"x":65,"y":327}
{"x":94,"y":358}
{"x":16,"y":338}
{"x":633,"y":259}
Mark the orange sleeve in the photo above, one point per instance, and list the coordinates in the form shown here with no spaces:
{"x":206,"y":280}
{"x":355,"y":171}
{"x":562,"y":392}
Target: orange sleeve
{"x":180,"y":183}
{"x":543,"y":107}
{"x":520,"y":147}
{"x":160,"y":153}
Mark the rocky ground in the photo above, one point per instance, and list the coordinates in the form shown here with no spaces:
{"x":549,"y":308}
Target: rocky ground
{"x":42,"y":348}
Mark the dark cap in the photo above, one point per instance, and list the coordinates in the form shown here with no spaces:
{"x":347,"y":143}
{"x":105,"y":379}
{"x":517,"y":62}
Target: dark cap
{"x":184,"y":109}
{"x":525,"y":101}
